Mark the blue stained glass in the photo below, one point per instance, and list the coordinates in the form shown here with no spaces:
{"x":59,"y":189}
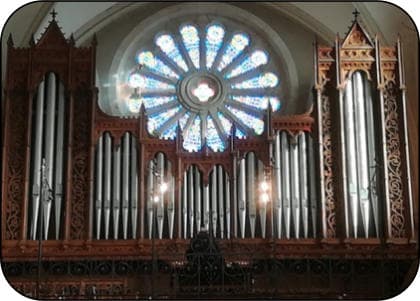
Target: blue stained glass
{"x":256,"y":59}
{"x":147,"y":59}
{"x":235,"y":47}
{"x":259,"y":102}
{"x":226,"y":123}
{"x":214,"y":40}
{"x":143,"y":82}
{"x":183,"y":120}
{"x":134,"y":104}
{"x":154,"y":101}
{"x":213,"y":138}
{"x":267,"y":80}
{"x":251,"y":121}
{"x":155,"y":121}
{"x":167,"y":45}
{"x":192,"y":139}
{"x":192,"y":43}
{"x":275,"y":103}
{"x":170,"y":133}
{"x":239,"y":134}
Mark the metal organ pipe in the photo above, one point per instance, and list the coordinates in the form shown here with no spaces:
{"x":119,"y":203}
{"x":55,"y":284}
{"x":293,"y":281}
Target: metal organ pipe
{"x":263,"y":205}
{"x":99,"y":173}
{"x":350,"y":145}
{"x":220,"y":199}
{"x":227,"y":208}
{"x":160,"y":181}
{"x":107,"y":184}
{"x":277,"y":177}
{"x":294,"y":168}
{"x":286,"y":182}
{"x":125,"y":183}
{"x":191,"y":199}
{"x":171,"y":201}
{"x":36,"y":171}
{"x":371,"y":156}
{"x":312,"y":184}
{"x":184,"y":205}
{"x":197,"y":196}
{"x":303,"y":183}
{"x":150,"y":196}
{"x":134,"y":188}
{"x":116,"y":200}
{"x":250,"y":171}
{"x":214,"y":200}
{"x":361,"y":151}
{"x":49,"y":144}
{"x":241,"y":197}
{"x":58,"y":183}
{"x":206,"y":205}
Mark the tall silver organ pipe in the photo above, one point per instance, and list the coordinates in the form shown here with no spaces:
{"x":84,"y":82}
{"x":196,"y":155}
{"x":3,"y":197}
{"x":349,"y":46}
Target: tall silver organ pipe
{"x":227,"y":206}
{"x":294,"y":167}
{"x":98,"y":199}
{"x":36,"y":175}
{"x":286,"y":182}
{"x":107,"y":184}
{"x":303,"y":183}
{"x":350,"y":146}
{"x":277,"y":178}
{"x":312,"y":184}
{"x":197,"y":197}
{"x":235,"y":196}
{"x":49,"y":144}
{"x":220,"y":198}
{"x":161,"y":194}
{"x":134,"y":189}
{"x":125,"y":183}
{"x":263,"y":203}
{"x":250,"y":173}
{"x":184,"y":205}
{"x":116,"y":200}
{"x":171,"y":200}
{"x":360,"y":155}
{"x":372,"y":160}
{"x":58,"y":183}
{"x":206,"y":205}
{"x":191,"y":199}
{"x":150,"y":197}
{"x":241,"y":197}
{"x":361,"y":151}
{"x":214,"y":201}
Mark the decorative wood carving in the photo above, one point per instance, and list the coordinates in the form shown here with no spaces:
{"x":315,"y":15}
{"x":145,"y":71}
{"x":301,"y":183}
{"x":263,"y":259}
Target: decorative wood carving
{"x":393,"y":143}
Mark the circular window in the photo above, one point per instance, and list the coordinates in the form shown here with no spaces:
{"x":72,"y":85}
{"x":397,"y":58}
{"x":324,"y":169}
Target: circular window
{"x":203,"y":80}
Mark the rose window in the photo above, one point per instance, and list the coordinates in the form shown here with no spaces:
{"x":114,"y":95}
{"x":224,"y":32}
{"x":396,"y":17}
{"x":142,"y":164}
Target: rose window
{"x":203,"y":80}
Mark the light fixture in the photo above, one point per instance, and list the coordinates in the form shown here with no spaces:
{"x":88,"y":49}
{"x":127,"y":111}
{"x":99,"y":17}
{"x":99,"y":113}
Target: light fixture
{"x":163,"y":187}
{"x":265,"y":198}
{"x":156,"y":198}
{"x":264,"y":186}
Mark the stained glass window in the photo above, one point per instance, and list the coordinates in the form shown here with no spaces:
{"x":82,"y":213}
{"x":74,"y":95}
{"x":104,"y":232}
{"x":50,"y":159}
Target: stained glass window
{"x":146,"y":58}
{"x":213,"y":138}
{"x":177,"y":86}
{"x":192,"y":43}
{"x":214,"y":40}
{"x":192,"y":138}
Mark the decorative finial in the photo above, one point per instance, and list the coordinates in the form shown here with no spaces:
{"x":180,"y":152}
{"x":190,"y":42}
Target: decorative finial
{"x":53,"y":14}
{"x":356,"y":14}
{"x":32,"y":40}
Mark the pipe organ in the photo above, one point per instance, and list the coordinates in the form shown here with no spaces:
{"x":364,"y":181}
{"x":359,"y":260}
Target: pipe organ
{"x":116,"y":171}
{"x":332,"y":183}
{"x":48,"y":141}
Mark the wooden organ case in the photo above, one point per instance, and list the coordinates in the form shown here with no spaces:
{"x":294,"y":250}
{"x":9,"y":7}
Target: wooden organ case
{"x":332,"y":261}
